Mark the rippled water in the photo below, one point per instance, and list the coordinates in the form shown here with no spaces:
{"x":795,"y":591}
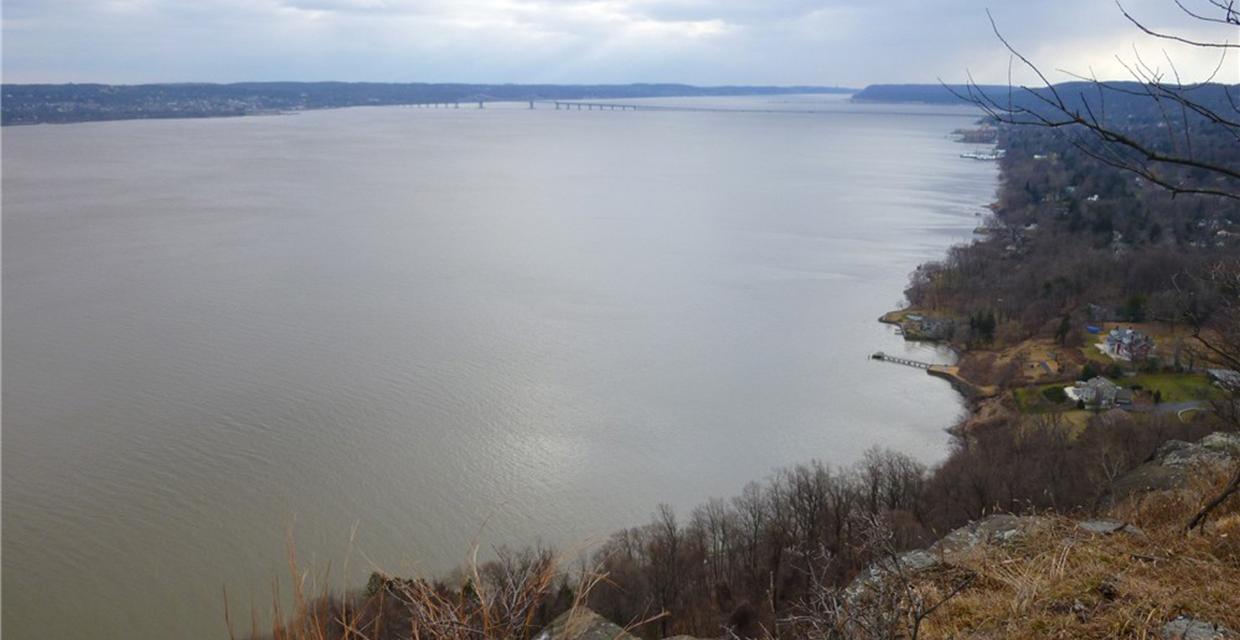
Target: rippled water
{"x":414,"y":322}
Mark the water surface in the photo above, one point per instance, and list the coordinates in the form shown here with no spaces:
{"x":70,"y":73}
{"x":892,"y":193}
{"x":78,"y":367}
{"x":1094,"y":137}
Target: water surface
{"x":416,"y":322}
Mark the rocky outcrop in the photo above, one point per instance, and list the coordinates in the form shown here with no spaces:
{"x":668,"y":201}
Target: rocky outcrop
{"x":1171,"y":465}
{"x":583,"y":624}
{"x":1185,"y":628}
{"x":997,"y":529}
{"x":948,"y":561}
{"x":1109,"y":527}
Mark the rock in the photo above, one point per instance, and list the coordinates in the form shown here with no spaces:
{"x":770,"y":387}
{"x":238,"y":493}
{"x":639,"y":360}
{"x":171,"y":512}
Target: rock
{"x":1186,"y":628}
{"x":909,"y":562}
{"x":998,"y":529}
{"x":1170,"y":465}
{"x":583,"y":624}
{"x":1108,"y":527}
{"x":1216,"y":446}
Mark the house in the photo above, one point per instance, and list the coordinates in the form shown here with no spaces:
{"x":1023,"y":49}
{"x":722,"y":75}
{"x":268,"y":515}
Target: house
{"x":1099,"y":393}
{"x":1128,"y":344}
{"x":1227,"y":379}
{"x":920,"y":327}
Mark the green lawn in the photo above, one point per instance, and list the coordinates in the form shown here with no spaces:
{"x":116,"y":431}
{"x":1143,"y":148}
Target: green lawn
{"x":1094,"y":355}
{"x":1031,"y":400}
{"x":1175,"y":387}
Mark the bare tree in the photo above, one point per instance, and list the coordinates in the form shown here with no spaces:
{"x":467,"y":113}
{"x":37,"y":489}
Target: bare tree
{"x":887,"y":602}
{"x":1219,"y":339}
{"x":1166,"y":154}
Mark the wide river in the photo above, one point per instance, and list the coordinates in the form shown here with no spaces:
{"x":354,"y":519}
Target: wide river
{"x":395,"y":330}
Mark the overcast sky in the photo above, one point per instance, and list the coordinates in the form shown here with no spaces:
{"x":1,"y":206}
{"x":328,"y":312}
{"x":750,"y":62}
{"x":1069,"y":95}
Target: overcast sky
{"x":824,"y":42}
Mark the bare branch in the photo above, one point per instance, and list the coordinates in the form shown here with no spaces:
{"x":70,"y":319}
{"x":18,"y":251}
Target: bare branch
{"x":1167,"y":36}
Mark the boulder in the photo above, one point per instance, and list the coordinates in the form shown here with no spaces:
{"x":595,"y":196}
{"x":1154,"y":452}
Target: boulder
{"x":1186,"y":628}
{"x":583,"y":624}
{"x":997,"y":529}
{"x":1108,"y":527}
{"x":1170,"y":466}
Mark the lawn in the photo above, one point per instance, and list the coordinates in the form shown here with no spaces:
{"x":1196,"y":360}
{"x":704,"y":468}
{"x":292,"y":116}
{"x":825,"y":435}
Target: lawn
{"x":1175,"y":387}
{"x":1095,"y":356}
{"x":1032,"y":399}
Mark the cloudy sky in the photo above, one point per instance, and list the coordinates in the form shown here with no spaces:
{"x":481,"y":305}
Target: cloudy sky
{"x":826,"y":42}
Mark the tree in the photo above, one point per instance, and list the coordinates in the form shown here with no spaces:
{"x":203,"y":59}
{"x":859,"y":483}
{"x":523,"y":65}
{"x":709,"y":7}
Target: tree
{"x":1134,"y":308}
{"x":1219,"y":337}
{"x":1065,"y":325}
{"x":665,"y":554}
{"x":1166,"y":154}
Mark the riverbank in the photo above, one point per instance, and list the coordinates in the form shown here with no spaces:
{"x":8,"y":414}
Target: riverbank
{"x":982,"y":394}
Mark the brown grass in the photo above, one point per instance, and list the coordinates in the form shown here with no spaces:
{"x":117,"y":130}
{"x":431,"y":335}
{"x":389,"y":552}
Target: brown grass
{"x":1064,"y":582}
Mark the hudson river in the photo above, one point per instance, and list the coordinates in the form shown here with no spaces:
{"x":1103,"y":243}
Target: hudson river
{"x":396,"y":330}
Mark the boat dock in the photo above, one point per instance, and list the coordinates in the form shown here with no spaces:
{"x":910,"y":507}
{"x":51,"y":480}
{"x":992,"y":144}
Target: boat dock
{"x":904,"y":361}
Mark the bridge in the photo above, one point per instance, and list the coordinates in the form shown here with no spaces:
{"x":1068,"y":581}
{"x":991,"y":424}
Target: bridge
{"x":904,"y":361}
{"x":587,"y":104}
{"x":591,"y":106}
{"x":481,"y":101}
{"x":535,"y":102}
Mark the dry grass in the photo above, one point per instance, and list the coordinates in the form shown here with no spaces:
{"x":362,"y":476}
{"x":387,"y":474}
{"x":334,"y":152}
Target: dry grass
{"x":511,"y":598}
{"x":1063,"y":582}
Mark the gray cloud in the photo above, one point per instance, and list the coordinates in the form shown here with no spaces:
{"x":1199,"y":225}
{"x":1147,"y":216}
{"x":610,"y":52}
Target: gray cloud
{"x":846,"y":42}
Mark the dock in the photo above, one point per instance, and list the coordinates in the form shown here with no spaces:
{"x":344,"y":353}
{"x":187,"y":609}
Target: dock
{"x":904,"y":361}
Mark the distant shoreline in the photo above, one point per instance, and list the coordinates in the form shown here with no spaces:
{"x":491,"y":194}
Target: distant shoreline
{"x":974,"y":393}
{"x":27,"y":104}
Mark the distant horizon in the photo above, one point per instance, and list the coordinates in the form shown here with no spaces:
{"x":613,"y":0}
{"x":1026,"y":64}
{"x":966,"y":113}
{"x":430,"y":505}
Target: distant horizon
{"x":699,"y":85}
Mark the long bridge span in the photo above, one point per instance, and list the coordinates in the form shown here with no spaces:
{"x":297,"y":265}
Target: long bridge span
{"x":480,"y":102}
{"x":591,"y":105}
{"x":565,"y":105}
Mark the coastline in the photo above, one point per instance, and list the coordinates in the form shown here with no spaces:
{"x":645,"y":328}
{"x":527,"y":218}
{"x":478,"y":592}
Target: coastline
{"x":977,"y":395}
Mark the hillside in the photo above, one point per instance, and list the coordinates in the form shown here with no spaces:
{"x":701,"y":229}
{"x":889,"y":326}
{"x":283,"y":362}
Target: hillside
{"x":1129,"y":571}
{"x":925,"y":93}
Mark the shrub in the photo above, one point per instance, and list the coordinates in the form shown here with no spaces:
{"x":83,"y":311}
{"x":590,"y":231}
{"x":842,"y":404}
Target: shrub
{"x":1055,"y":394}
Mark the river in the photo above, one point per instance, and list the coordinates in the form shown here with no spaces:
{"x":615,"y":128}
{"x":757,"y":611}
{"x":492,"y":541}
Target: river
{"x":392,"y":331}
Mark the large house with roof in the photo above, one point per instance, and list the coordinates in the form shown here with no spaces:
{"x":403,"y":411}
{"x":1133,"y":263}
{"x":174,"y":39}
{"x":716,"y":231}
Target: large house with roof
{"x":1128,"y":344}
{"x":1099,"y":393}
